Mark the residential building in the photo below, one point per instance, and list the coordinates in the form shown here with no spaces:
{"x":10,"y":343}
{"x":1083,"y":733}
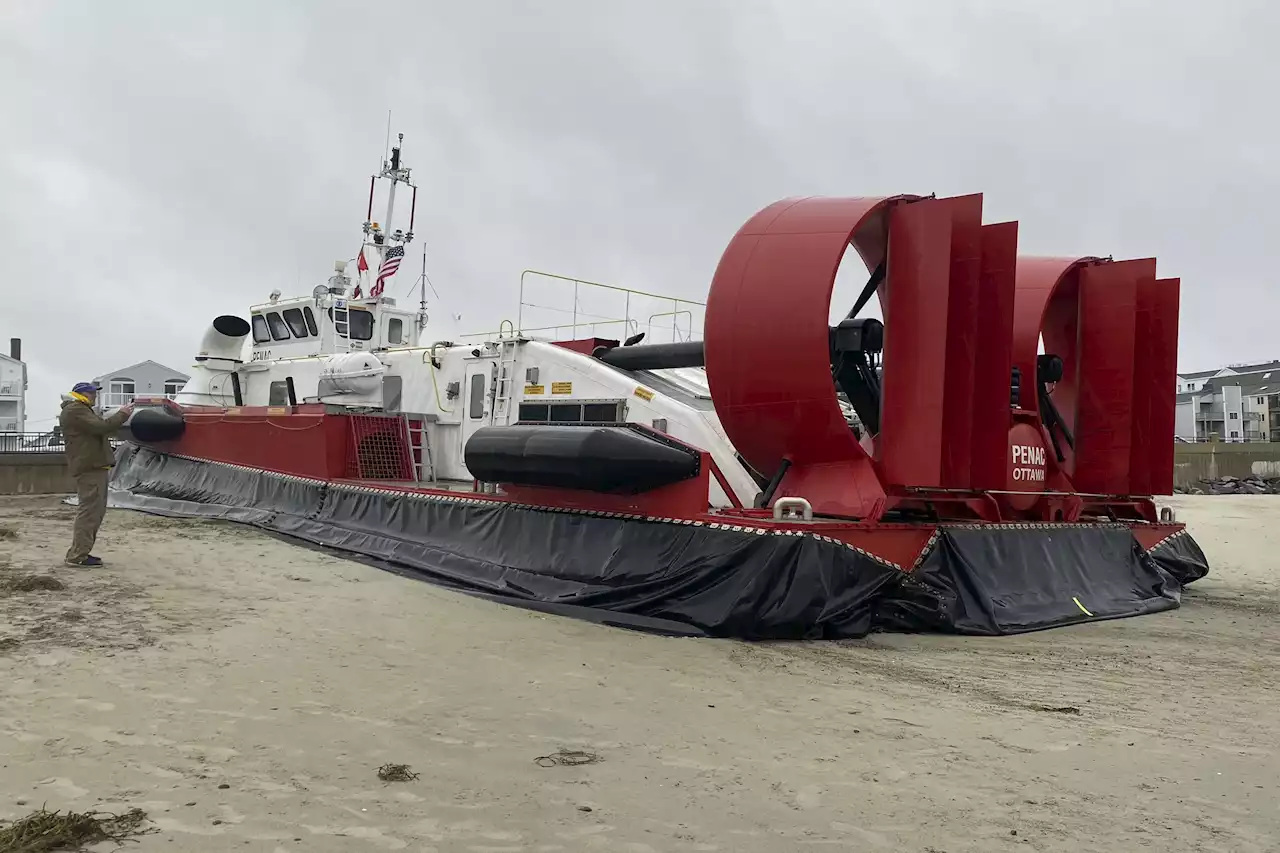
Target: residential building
{"x":1188,"y":382}
{"x":13,"y":389}
{"x":144,"y":379}
{"x":1240,"y":402}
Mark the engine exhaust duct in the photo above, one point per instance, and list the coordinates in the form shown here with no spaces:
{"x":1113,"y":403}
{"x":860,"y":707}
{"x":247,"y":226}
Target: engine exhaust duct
{"x":225,"y":339}
{"x":654,"y":356}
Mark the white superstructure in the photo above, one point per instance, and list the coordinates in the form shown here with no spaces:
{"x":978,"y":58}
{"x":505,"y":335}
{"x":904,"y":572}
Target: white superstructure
{"x":341,"y":346}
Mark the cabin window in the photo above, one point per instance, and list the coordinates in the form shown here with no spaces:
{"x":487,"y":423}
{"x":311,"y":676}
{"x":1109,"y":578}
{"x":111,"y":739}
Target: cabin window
{"x":608,"y":412}
{"x":392,"y":390}
{"x":261,"y":334}
{"x":476,"y":406}
{"x":566,"y":413}
{"x":278,"y":395}
{"x":297,"y":325}
{"x":173,"y":386}
{"x":537,"y":413}
{"x":279,"y":331}
{"x":361,"y":323}
{"x":600,"y":413}
{"x":311,"y":321}
{"x":395,"y":331}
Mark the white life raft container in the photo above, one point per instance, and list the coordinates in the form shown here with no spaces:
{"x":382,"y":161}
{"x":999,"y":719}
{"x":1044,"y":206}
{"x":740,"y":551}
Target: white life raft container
{"x":358,"y":373}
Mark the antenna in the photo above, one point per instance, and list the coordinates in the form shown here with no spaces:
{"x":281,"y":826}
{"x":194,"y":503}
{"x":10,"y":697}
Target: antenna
{"x":386,"y":147}
{"x":422,"y":294}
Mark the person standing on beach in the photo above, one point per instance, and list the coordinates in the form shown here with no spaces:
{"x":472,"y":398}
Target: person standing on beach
{"x":89,"y":460}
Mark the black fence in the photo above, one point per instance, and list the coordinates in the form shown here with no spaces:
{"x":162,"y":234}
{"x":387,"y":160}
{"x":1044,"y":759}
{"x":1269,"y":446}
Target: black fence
{"x":30,"y":442}
{"x":33,"y":442}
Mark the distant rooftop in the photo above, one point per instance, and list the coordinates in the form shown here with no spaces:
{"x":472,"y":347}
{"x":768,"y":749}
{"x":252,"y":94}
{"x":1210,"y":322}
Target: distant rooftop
{"x":1238,"y":368}
{"x":1253,"y":384}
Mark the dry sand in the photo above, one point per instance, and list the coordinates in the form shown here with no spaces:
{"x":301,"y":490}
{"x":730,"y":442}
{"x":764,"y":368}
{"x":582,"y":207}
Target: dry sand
{"x":243,"y":691}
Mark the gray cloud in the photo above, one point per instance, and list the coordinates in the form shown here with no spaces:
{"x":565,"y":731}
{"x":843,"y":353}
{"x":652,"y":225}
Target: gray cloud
{"x":161,"y":162}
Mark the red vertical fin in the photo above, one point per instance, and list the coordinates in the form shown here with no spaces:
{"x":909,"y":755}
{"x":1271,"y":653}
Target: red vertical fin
{"x":1163,"y":345}
{"x":993,"y":363}
{"x":1104,"y":416}
{"x":962,"y":339}
{"x":1145,"y":389}
{"x":915,"y":347}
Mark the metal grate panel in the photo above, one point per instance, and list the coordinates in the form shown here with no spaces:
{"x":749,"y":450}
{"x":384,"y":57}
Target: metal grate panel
{"x":378,"y":448}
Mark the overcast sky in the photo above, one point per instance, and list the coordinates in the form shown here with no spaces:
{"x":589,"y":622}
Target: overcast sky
{"x":163,"y":162}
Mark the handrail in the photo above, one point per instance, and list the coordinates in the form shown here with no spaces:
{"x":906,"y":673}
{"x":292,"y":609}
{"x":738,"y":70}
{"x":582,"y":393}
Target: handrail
{"x":499,"y":333}
{"x":675,"y":329}
{"x":609,"y":287}
{"x":628,"y":322}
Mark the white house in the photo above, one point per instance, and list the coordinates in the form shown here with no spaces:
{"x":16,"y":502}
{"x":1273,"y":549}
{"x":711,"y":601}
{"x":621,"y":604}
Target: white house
{"x":144,"y":379}
{"x":13,"y":389}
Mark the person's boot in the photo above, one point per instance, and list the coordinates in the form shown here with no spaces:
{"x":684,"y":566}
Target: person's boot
{"x":89,"y":562}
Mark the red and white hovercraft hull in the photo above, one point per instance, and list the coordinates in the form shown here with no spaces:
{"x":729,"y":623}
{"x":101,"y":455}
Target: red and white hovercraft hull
{"x":996,"y":489}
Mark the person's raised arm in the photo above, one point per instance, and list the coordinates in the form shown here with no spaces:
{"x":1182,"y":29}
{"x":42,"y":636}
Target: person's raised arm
{"x":87,"y":420}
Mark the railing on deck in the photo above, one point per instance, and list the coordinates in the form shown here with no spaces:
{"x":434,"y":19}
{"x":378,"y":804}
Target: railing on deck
{"x":592,"y":309}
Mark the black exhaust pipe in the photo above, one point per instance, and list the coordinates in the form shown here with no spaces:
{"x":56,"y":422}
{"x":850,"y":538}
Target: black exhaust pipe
{"x":654,"y":356}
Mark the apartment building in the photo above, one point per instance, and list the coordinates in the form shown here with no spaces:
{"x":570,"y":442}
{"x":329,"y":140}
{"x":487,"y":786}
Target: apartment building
{"x":1240,"y":402}
{"x":13,"y":389}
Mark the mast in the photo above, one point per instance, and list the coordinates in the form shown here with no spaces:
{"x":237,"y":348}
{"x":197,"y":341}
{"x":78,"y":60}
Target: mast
{"x":381,"y":235}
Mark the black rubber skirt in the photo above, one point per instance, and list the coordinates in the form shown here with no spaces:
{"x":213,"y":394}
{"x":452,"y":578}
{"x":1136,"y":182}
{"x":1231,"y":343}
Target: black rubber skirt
{"x":686,"y":578}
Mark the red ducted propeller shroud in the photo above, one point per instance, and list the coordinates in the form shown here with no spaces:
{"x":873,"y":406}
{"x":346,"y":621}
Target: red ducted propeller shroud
{"x":963,"y":313}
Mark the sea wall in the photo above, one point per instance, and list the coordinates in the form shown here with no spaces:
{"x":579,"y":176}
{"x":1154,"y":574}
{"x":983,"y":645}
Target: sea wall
{"x":34,"y":474}
{"x":1211,"y":460}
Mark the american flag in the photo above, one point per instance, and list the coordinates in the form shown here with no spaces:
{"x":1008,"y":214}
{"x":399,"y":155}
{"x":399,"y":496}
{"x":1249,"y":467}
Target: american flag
{"x":389,"y":266}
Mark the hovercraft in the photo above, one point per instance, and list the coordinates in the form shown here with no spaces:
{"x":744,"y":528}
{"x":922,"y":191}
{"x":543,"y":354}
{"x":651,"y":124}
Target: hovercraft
{"x":983,"y":461}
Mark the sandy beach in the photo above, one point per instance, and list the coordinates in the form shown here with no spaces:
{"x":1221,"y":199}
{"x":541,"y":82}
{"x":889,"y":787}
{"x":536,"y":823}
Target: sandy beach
{"x":243,"y":691}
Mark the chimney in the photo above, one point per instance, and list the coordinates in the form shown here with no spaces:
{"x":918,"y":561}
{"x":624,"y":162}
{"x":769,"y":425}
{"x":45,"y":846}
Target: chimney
{"x":15,"y":348}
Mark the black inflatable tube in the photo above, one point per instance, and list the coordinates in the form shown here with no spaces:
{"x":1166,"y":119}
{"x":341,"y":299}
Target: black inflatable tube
{"x":152,"y":425}
{"x":610,"y":459}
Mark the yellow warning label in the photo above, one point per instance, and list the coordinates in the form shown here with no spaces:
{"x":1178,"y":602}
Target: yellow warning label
{"x":561,"y":387}
{"x":644,"y":393}
{"x":531,"y":390}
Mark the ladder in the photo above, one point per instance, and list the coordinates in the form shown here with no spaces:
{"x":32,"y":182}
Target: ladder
{"x":341,"y":326}
{"x":424,"y":466}
{"x":505,"y":388}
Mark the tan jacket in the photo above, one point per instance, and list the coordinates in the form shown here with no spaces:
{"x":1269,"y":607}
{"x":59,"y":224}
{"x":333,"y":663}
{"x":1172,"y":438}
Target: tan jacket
{"x":87,"y":436}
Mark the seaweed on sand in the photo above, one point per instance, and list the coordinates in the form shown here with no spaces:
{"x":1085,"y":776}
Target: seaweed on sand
{"x":44,"y":830}
{"x":392,"y":773}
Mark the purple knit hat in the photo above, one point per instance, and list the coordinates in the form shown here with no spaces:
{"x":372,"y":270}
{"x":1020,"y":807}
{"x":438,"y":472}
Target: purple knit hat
{"x":86,"y":388}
